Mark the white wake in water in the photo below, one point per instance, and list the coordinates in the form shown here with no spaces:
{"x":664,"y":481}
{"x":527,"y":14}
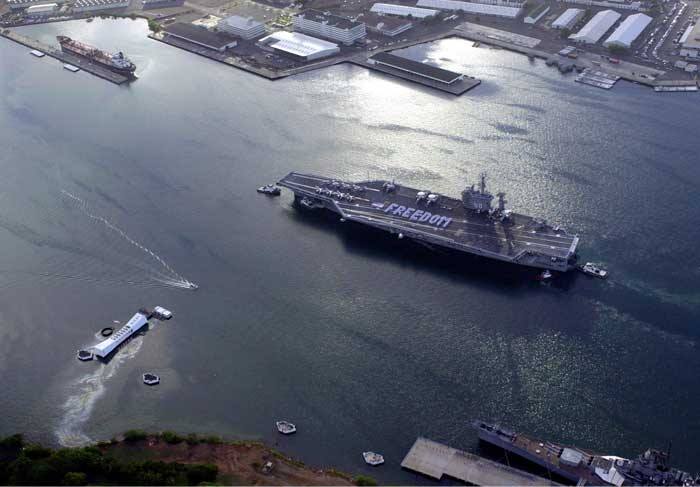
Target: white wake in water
{"x":104,"y":252}
{"x":85,"y":391}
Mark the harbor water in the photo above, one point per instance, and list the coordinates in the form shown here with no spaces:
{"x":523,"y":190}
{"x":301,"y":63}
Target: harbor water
{"x":114,"y":197}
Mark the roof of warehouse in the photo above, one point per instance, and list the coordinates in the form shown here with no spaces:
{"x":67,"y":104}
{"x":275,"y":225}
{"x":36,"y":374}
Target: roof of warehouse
{"x":597,"y":26}
{"x":629,"y":29}
{"x":567,"y":16}
{"x":199,"y":34}
{"x":392,"y":9}
{"x":297,"y":43}
{"x":422,"y":69}
{"x":241,"y":22}
{"x":328,"y":19}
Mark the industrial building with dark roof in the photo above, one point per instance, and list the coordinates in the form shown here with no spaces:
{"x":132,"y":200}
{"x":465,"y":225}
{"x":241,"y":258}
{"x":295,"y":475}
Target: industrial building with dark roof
{"x":414,"y":67}
{"x":219,"y":41}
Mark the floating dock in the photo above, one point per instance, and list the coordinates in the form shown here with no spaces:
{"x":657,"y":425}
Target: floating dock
{"x":65,"y":58}
{"x":437,"y":460}
{"x":599,"y":79}
{"x":421,"y":73}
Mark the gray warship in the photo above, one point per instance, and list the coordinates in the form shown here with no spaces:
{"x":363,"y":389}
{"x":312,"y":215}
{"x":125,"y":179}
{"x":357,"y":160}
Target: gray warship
{"x":470,"y":224}
{"x":583,"y":467}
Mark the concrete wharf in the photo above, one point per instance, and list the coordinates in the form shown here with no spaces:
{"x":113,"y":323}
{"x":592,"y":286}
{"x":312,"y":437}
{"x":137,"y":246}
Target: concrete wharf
{"x":456,"y":88}
{"x":437,"y":460}
{"x":66,"y":58}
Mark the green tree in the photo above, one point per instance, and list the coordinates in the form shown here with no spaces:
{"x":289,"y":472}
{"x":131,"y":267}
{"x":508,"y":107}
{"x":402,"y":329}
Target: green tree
{"x":196,"y":474}
{"x":74,"y":478}
{"x":365,"y":480}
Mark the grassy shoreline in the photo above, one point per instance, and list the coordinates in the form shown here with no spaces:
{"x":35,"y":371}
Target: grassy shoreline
{"x":166,"y":458}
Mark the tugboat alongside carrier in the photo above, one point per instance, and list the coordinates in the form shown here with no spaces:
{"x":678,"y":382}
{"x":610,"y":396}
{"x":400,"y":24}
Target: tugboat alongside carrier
{"x":583,"y":467}
{"x":470,"y":224}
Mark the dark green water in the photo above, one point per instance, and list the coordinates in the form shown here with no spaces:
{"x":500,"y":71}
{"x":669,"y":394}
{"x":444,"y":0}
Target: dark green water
{"x":363,"y":341}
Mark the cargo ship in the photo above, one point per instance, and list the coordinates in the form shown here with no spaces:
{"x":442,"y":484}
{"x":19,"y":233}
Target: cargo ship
{"x":583,"y":467}
{"x":471,"y":224}
{"x":116,"y":62}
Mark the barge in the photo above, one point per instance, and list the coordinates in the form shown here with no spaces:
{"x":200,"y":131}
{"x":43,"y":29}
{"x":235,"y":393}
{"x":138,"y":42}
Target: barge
{"x":470,"y":224}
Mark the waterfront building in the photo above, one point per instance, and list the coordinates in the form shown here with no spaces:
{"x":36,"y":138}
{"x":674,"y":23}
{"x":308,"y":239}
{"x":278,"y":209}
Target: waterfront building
{"x":568,"y":19}
{"x":94,"y":5}
{"x":692,"y":40}
{"x":403,"y":11}
{"x":596,"y":27}
{"x":536,"y":14}
{"x":218,"y":41}
{"x":329,"y":26}
{"x":20,"y":4}
{"x":243,"y":27}
{"x":388,"y":26}
{"x":151,"y":4}
{"x":42,"y":10}
{"x":510,"y":12}
{"x":298,"y":46}
{"x":414,"y":67}
{"x":628,"y":31}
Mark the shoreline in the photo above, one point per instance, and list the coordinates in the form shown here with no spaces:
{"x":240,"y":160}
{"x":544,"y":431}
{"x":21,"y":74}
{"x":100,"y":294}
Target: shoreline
{"x":138,"y":456}
{"x":627,"y":71}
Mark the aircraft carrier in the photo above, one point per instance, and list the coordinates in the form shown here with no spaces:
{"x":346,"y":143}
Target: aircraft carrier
{"x":470,"y":224}
{"x":583,"y":467}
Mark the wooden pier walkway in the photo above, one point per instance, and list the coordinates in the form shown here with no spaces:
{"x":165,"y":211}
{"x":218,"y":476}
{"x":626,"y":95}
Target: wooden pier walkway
{"x":436,"y":460}
{"x":81,"y":63}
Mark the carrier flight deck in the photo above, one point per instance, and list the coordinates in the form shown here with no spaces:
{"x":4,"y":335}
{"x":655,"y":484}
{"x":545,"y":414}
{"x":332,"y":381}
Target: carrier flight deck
{"x":469,"y":225}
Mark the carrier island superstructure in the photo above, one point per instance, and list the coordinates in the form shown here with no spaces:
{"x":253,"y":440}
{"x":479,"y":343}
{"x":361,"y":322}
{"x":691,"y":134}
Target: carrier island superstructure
{"x":471,"y":224}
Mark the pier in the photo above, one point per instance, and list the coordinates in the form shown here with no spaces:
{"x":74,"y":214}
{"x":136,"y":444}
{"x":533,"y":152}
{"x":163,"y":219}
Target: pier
{"x":65,"y":58}
{"x":424,"y":74}
{"x":437,"y":460}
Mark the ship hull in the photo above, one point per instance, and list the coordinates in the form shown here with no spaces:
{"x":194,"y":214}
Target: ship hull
{"x":124,"y":72}
{"x":449,"y":225}
{"x":495,"y":440}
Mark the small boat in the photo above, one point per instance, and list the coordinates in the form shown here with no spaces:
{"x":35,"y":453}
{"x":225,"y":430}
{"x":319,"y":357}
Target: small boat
{"x":593,"y":270}
{"x":372,"y":458}
{"x":162,"y":313}
{"x":269,"y":189}
{"x":192,"y":285}
{"x":36,"y":53}
{"x":150,"y":379}
{"x":84,"y":355}
{"x":71,"y":68}
{"x":285,"y":427}
{"x":106,"y":331}
{"x":544,"y":276}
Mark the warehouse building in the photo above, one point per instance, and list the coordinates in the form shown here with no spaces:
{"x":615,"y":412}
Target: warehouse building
{"x":388,"y":26}
{"x":329,"y":26}
{"x":403,"y":11}
{"x":536,"y":14}
{"x":628,"y":31}
{"x":151,"y":4}
{"x":596,"y":27}
{"x":19,"y":4}
{"x":243,"y":27}
{"x":299,"y":46}
{"x":42,"y":10}
{"x":94,"y":5}
{"x":692,"y":41}
{"x":473,"y":8}
{"x":414,"y":67}
{"x":218,"y":41}
{"x":568,"y":19}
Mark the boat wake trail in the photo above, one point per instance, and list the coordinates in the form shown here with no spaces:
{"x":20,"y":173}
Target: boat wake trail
{"x":84,"y":393}
{"x":127,"y":259}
